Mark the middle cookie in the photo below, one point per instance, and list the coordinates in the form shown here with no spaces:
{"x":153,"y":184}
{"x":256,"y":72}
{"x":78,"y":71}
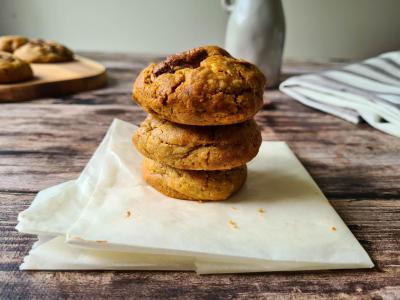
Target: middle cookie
{"x":198,"y":148}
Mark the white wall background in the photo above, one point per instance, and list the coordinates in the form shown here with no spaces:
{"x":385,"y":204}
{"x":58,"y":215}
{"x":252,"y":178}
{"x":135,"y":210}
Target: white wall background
{"x":316,"y":29}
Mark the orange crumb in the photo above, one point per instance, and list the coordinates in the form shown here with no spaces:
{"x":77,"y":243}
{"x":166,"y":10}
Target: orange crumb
{"x":200,"y":201}
{"x":234,"y":208}
{"x":333,"y":228}
{"x":128,"y":213}
{"x":261,"y":210}
{"x":101,"y":242}
{"x":233,"y":224}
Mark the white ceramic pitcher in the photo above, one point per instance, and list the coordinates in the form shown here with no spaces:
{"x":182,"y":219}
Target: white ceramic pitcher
{"x":256,"y":33}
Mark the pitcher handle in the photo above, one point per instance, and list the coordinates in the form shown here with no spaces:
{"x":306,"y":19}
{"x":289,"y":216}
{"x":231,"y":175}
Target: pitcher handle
{"x":228,"y":5}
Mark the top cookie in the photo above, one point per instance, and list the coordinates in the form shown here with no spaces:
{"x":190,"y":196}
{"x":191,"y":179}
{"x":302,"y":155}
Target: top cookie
{"x":40,"y":51}
{"x":13,"y":69}
{"x":9,"y":43}
{"x":203,"y":86}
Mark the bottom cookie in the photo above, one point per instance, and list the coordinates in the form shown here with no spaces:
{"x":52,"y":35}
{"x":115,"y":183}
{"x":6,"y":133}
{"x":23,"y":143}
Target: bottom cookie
{"x":193,"y":185}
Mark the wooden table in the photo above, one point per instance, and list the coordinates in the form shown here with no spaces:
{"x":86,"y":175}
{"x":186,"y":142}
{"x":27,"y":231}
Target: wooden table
{"x":48,"y":141}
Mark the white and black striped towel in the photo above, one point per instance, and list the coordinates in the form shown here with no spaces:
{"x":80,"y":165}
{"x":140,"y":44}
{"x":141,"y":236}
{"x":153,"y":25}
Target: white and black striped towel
{"x":369,"y":90}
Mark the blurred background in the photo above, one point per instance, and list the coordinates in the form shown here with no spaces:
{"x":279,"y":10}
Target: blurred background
{"x":316,"y":29}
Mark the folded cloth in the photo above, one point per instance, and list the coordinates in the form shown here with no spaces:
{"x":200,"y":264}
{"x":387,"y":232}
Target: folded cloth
{"x":369,"y":90}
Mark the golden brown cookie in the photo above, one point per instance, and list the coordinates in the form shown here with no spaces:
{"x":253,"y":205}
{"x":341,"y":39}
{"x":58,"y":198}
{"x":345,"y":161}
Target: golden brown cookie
{"x":12,"y":69}
{"x":193,"y":185}
{"x":203,"y":86}
{"x":198,"y":147}
{"x":40,"y":51}
{"x":9,"y":43}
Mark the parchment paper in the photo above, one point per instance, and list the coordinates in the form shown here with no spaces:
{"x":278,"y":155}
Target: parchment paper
{"x":280,"y":220}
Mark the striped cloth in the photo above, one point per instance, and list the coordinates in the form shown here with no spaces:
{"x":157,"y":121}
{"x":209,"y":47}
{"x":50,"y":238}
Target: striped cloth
{"x":369,"y":90}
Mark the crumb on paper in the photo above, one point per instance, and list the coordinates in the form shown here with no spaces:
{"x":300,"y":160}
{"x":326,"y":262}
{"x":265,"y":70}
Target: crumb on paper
{"x":128,"y":213}
{"x":234,"y":208}
{"x":200,"y":201}
{"x":101,"y":242}
{"x":261,"y":210}
{"x":232,"y":224}
{"x":333,"y":228}
{"x":76,"y":238}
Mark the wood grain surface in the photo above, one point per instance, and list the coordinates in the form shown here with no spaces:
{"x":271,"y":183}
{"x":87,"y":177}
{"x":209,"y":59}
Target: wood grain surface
{"x":81,"y":74}
{"x":48,"y":141}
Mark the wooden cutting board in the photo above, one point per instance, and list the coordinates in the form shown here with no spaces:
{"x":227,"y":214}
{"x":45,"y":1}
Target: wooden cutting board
{"x":57,"y":79}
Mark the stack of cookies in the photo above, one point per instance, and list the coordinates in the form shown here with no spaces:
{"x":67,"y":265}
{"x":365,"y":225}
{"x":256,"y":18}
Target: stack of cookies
{"x":200,"y":131}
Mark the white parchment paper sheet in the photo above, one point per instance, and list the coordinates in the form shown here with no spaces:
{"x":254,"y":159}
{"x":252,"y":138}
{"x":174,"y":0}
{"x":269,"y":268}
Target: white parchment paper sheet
{"x":280,"y":220}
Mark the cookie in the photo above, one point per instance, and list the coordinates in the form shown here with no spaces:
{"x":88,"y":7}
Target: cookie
{"x":198,"y":147}
{"x":40,"y":51}
{"x":193,"y":185}
{"x":12,"y":69}
{"x":203,"y":86}
{"x":9,"y":43}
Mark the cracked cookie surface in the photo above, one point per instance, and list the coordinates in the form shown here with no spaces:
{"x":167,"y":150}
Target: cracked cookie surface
{"x":12,"y":69}
{"x":198,"y":147}
{"x":9,"y":43}
{"x":193,"y":185}
{"x":40,"y":51}
{"x":202,"y":86}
